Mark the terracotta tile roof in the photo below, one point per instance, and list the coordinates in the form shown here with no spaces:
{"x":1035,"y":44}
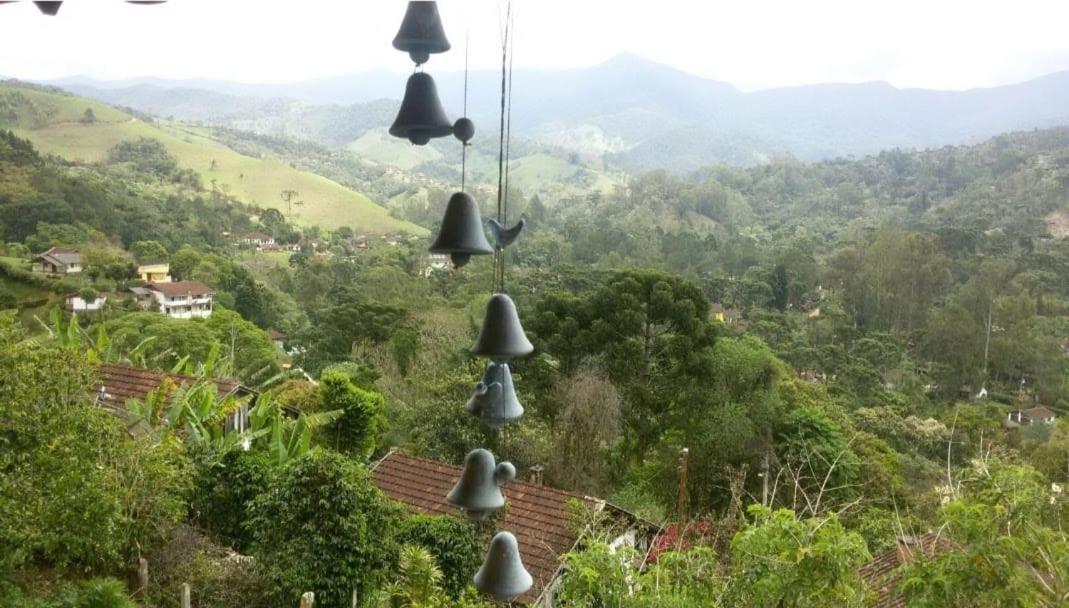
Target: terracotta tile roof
{"x":121,"y":382}
{"x":881,"y":575}
{"x":181,"y":288}
{"x":536,"y":514}
{"x":1040,"y":412}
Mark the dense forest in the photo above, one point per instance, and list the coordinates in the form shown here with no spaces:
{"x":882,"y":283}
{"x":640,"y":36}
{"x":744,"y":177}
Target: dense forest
{"x":837,"y":346}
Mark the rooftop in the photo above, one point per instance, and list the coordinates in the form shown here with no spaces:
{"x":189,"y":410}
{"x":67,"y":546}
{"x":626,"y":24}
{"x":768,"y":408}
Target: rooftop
{"x":536,"y":514}
{"x":181,"y":288}
{"x":881,"y":575}
{"x":118,"y":383}
{"x":63,"y":255}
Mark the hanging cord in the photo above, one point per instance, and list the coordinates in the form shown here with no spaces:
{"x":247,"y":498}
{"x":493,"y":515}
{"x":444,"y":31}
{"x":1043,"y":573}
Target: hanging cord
{"x":464,"y":144}
{"x":508,"y":134}
{"x":498,"y":253}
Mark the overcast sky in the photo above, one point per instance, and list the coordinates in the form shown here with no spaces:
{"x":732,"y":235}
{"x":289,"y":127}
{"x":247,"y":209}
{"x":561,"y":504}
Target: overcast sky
{"x":944,"y":44}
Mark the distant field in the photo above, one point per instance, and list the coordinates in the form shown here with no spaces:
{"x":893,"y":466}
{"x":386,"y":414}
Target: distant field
{"x":59,"y":131}
{"x":379,"y":146}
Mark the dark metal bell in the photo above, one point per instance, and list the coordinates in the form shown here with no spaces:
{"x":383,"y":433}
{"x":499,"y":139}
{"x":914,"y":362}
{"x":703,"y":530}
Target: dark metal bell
{"x":461,"y":235}
{"x":421,"y":116}
{"x":48,"y":8}
{"x":502,"y":575}
{"x":494,"y":400}
{"x":421,"y":32}
{"x":501,"y":337}
{"x":478,"y":491}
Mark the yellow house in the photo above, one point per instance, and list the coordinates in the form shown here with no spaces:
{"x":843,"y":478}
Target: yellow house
{"x":154,"y":273}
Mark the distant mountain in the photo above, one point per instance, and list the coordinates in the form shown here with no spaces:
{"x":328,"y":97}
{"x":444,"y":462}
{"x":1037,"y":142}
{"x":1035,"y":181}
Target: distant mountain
{"x":635,"y":113}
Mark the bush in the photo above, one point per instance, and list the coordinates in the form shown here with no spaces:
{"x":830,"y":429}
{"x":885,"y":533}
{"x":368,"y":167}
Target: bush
{"x":454,"y":544}
{"x":220,"y":503}
{"x":323,"y":527}
{"x":217,"y":577}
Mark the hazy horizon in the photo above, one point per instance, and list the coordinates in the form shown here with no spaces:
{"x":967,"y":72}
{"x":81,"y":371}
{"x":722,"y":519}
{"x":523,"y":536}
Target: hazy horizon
{"x":765,"y":44}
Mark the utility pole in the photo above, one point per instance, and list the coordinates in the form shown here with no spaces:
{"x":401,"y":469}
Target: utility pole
{"x":681,"y":501}
{"x":764,"y":479}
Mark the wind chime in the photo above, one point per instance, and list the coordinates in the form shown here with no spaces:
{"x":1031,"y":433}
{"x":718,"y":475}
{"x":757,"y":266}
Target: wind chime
{"x":421,"y":118}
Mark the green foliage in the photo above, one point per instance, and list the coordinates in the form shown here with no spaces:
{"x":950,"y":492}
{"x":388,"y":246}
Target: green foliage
{"x":144,"y":155}
{"x":323,"y":527}
{"x":454,"y":545}
{"x":784,"y":561}
{"x":217,"y":578}
{"x":602,"y":576}
{"x":224,"y":490}
{"x":358,"y":430}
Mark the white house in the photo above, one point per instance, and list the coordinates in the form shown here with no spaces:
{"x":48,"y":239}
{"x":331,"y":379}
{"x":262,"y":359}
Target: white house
{"x":178,"y":300}
{"x":59,"y":260}
{"x":75,"y":303}
{"x":258,"y":240}
{"x":1034,"y":415}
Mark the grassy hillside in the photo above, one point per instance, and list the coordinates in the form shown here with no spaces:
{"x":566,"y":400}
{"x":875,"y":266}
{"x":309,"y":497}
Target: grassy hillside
{"x":55,"y":124}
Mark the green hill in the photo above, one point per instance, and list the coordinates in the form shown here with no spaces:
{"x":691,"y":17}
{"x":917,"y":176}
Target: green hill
{"x":56,"y":123}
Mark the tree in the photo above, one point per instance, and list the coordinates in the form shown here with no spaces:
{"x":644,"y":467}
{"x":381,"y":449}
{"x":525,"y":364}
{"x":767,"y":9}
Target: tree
{"x":782,"y":561}
{"x":360,"y":427}
{"x":183,"y":262}
{"x":587,"y":429}
{"x":323,"y":527}
{"x":148,"y":251}
{"x":89,"y":117}
{"x":454,"y":545}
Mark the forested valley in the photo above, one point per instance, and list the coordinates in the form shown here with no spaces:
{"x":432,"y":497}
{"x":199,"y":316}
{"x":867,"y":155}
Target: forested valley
{"x":785,"y":370}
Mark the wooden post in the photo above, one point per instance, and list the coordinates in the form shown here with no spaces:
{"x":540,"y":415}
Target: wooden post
{"x":308,"y":600}
{"x":681,"y":501}
{"x":142,"y":576}
{"x":186,"y":600}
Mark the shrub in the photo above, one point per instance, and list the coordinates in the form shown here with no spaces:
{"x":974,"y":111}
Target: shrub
{"x":220,"y":503}
{"x":360,"y":427}
{"x":454,"y":544}
{"x":217,"y":577}
{"x":323,"y":527}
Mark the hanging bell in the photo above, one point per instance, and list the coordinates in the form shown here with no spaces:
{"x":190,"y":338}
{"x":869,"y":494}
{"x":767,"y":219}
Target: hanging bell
{"x":464,"y":129}
{"x":501,"y":337}
{"x":494,"y":400}
{"x":421,"y":32}
{"x":478,"y":491}
{"x":502,"y":575}
{"x":48,"y":8}
{"x":421,"y":117}
{"x":461,"y":234}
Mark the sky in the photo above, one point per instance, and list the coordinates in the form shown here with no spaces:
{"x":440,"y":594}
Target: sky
{"x":752,"y":44}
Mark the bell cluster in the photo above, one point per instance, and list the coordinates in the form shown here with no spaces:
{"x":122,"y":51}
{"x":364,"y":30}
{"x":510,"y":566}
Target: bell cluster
{"x":477,"y":493}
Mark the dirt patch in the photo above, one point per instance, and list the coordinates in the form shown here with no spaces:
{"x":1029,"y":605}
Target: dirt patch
{"x":1058,"y":224}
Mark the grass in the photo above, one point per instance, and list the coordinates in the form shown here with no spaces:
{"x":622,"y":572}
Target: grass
{"x":257,"y":181}
{"x":379,"y":146}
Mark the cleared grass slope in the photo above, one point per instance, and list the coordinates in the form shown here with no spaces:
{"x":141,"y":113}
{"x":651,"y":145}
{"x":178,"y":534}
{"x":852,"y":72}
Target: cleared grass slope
{"x":54,"y":123}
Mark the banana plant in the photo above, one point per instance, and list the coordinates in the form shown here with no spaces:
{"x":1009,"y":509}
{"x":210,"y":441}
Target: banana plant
{"x":287,"y":439}
{"x":98,"y":350}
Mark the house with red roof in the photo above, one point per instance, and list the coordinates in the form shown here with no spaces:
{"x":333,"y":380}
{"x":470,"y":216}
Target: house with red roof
{"x":536,"y":514}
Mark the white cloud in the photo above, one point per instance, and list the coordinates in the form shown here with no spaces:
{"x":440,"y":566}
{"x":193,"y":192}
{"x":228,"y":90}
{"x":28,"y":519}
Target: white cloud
{"x":945,"y":44}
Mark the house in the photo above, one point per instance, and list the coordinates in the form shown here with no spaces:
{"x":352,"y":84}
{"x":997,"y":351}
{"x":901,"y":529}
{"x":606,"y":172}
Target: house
{"x":435,"y":263}
{"x":75,"y":303}
{"x":360,"y":242}
{"x":59,"y":260}
{"x":727,"y":316}
{"x":257,"y":240}
{"x":154,"y":273}
{"x":881,"y":575}
{"x":1040,"y":414}
{"x":178,"y":300}
{"x":116,"y":384}
{"x":535,"y":513}
{"x":292,"y":247}
{"x":278,"y":338}
{"x":268,"y":248}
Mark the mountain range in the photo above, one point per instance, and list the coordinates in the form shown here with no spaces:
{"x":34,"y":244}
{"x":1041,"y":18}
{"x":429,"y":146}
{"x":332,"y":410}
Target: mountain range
{"x":630,"y":112}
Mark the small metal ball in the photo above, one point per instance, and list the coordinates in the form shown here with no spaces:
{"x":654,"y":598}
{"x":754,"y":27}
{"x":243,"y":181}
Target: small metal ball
{"x":464,"y":129}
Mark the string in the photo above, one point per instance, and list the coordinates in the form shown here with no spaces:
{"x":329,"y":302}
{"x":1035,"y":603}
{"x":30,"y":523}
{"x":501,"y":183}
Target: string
{"x":498,"y":267}
{"x":464,"y":144}
{"x":508,"y":133}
